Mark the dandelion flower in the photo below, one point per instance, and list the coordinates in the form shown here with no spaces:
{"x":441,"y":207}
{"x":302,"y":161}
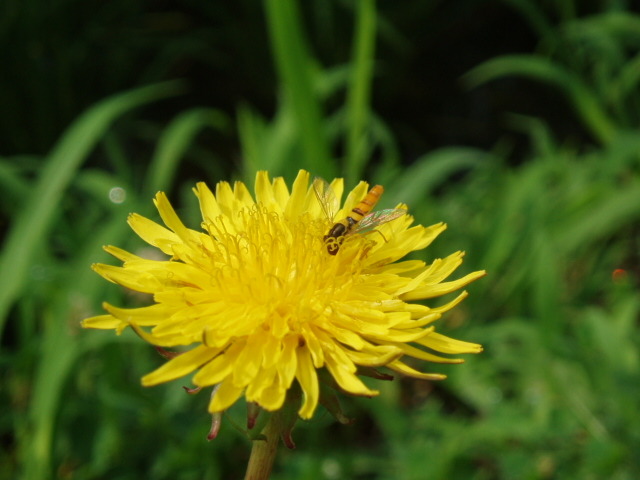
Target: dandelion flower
{"x":259,"y":304}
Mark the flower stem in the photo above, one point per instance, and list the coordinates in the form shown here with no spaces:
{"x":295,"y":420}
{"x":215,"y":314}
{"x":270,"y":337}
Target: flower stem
{"x":263,"y":452}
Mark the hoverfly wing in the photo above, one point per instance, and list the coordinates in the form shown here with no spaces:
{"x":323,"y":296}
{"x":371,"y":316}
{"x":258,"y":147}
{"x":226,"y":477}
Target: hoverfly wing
{"x":379,"y":217}
{"x":326,"y":197}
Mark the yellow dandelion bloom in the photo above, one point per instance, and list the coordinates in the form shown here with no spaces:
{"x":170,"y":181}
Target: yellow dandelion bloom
{"x":261,"y":302}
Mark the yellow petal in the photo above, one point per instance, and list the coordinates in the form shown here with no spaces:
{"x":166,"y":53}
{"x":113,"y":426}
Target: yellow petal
{"x":138,"y":281}
{"x":422,"y":355}
{"x":288,"y":362}
{"x":400,"y":367}
{"x":208,"y":205}
{"x":249,"y":360}
{"x":434,"y":273}
{"x":104,"y":322}
{"x":420,"y":236}
{"x":144,"y":316}
{"x":347,"y":337}
{"x":448,"y":306}
{"x":170,"y":218}
{"x":431,"y":291}
{"x":272,"y":397}
{"x":337,"y":185}
{"x":272,"y":350}
{"x":398,"y":267}
{"x":402,"y":335}
{"x":259,"y":384}
{"x":242,"y":195}
{"x":418,"y":322}
{"x":224,"y":396}
{"x":179,"y":366}
{"x":445,"y":344}
{"x":152,"y":233}
{"x":308,"y":379}
{"x":374,"y":357}
{"x":215,"y":371}
{"x":264,"y":190}
{"x":354,"y":197}
{"x":166,"y":340}
{"x":313,"y":345}
{"x":280,"y":193}
{"x":120,"y":254}
{"x":226,"y":200}
{"x":296,"y":204}
{"x":347,"y":380}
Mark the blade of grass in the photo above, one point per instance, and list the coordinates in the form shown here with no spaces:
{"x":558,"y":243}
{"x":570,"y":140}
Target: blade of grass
{"x":266,"y":146}
{"x":384,"y":137}
{"x":542,"y":69}
{"x":532,"y":13}
{"x":621,"y":25}
{"x":175,"y":140}
{"x":59,"y":352}
{"x":117,"y":155}
{"x":295,"y":67}
{"x":97,"y":184}
{"x":65,"y":158}
{"x":12,"y":183}
{"x":429,"y":171}
{"x":251,"y":131}
{"x":627,"y":81}
{"x":358,"y":96}
{"x":596,"y":222}
{"x":546,"y":289}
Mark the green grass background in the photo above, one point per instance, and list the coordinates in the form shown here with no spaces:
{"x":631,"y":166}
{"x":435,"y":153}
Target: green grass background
{"x":515,"y":121}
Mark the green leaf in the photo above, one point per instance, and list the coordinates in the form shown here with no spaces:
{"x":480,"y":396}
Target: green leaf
{"x":60,"y":348}
{"x":358,"y":96}
{"x":596,"y":222}
{"x":431,"y":170}
{"x":175,"y":141}
{"x":33,"y":223}
{"x":542,"y":69}
{"x":296,"y":70}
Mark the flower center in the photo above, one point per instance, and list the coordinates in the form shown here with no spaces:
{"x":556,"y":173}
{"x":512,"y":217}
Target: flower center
{"x":275,"y":272}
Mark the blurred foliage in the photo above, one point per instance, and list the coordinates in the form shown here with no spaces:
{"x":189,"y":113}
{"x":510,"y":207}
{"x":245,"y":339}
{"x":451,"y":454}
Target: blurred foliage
{"x":549,"y":206}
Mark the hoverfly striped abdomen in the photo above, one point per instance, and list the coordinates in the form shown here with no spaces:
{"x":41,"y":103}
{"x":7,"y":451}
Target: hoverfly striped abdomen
{"x":360,"y":219}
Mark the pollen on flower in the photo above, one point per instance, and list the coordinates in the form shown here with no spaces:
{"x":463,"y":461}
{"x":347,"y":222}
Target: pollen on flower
{"x":268,"y":265}
{"x":263,"y":304}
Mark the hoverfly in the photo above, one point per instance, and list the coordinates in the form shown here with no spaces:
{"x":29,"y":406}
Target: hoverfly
{"x":360,"y":220}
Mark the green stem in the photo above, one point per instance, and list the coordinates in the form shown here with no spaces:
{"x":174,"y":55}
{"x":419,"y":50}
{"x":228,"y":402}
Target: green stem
{"x":263,"y":452}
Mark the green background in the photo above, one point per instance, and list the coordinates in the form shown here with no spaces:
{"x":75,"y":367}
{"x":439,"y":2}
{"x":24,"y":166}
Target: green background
{"x":515,"y":122}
